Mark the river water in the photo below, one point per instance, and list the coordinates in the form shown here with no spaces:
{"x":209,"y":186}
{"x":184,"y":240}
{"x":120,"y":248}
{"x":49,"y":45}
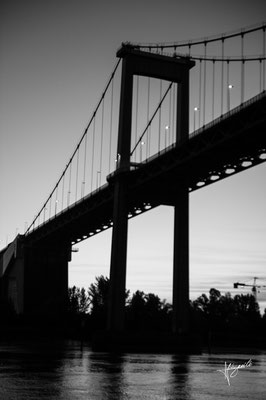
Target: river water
{"x":64,"y":370}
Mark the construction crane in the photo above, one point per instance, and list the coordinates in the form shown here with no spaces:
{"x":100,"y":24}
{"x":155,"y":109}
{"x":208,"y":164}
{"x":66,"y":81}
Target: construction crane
{"x":254,"y":287}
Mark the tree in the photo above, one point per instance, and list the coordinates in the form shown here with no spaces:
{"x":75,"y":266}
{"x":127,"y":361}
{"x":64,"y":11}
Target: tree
{"x":147,"y":311}
{"x":246,"y":306}
{"x":98,"y":294}
{"x":78,"y":300}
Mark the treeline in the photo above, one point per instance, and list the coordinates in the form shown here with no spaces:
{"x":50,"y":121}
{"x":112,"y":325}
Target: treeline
{"x":143,"y":311}
{"x":238,"y":315}
{"x":228,"y":318}
{"x":216,"y":318}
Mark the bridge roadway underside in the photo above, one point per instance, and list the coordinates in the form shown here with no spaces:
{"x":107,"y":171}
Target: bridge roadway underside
{"x":214,"y":153}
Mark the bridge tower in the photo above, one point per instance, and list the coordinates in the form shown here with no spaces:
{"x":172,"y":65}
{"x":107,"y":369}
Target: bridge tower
{"x":173,"y":69}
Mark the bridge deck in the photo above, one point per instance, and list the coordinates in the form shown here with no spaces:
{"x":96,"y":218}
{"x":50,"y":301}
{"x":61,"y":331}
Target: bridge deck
{"x":227,"y":142}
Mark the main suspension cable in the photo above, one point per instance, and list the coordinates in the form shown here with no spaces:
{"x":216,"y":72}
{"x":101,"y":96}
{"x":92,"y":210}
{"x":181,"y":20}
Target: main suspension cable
{"x":195,"y":42}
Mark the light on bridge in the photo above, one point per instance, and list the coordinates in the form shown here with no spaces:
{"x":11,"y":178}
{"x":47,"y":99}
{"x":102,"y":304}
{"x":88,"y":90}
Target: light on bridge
{"x":166,"y":131}
{"x":230,"y":87}
{"x":142,"y":144}
{"x":117,"y":160}
{"x":246,"y":163}
{"x":196,"y":109}
{"x":214,"y":177}
{"x":201,"y":183}
{"x":262,"y":155}
{"x":229,"y":171}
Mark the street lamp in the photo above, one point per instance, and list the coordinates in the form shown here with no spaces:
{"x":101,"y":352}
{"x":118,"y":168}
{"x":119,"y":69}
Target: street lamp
{"x":117,"y":160}
{"x":141,"y":144}
{"x":44,"y":211}
{"x":166,"y":131}
{"x":230,"y":87}
{"x":194,"y":116}
{"x":55,"y":209}
{"x":98,"y":180}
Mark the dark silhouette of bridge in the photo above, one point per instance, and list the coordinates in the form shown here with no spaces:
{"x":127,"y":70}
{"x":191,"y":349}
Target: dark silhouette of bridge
{"x":159,"y":166}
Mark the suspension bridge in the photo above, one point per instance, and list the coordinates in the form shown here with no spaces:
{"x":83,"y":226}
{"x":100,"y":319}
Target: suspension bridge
{"x":173,"y":118}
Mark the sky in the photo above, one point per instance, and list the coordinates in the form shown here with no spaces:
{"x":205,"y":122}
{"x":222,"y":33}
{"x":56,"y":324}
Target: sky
{"x":55,"y":59}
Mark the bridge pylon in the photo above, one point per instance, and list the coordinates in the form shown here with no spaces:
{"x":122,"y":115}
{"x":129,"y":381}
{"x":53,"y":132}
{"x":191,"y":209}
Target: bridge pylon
{"x":172,"y":69}
{"x":34,"y":278}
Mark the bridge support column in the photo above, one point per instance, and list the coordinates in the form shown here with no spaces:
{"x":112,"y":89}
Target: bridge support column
{"x":46,"y":279}
{"x":181,"y":263}
{"x":116,"y":313}
{"x":181,"y":222}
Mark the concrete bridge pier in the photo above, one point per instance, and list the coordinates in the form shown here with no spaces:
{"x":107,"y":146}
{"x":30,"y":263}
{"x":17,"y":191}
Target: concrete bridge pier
{"x":116,"y":314}
{"x":34,"y":277}
{"x":181,"y":223}
{"x":46,"y":279}
{"x":181,"y":263}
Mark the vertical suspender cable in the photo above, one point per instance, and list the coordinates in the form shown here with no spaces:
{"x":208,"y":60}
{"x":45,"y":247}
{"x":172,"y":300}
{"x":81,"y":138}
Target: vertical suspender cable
{"x":170,"y":116}
{"x":84,"y":167}
{"x":44,"y":209}
{"x":263,"y":63}
{"x":222,"y":79}
{"x":204,"y":83}
{"x":242,"y":70}
{"x":69,"y":184}
{"x":63,"y":189}
{"x":213,"y":87}
{"x":111,"y":125}
{"x":92,"y":157}
{"x":148,"y":115}
{"x":200,"y":92}
{"x":77,"y":174}
{"x":101,"y":154}
{"x":243,"y":83}
{"x":159,"y":122}
{"x":136,"y":110}
{"x":50,"y":208}
{"x":56,"y":200}
{"x":227,"y":86}
{"x":174,"y":113}
{"x":148,"y":147}
{"x":261,"y":72}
